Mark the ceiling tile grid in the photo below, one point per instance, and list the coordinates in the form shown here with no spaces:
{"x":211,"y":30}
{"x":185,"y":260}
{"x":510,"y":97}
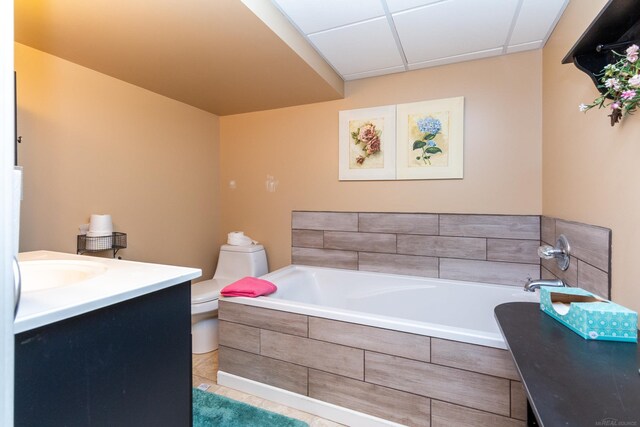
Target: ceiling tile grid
{"x":364,"y":38}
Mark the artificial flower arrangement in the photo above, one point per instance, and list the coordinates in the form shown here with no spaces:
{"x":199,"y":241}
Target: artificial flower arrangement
{"x":621,"y":80}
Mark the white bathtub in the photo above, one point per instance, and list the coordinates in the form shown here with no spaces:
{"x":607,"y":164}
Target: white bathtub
{"x":448,"y":309}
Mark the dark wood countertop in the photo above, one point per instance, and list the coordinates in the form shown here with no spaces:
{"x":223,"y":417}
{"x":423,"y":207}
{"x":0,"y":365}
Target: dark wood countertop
{"x":571,"y":381}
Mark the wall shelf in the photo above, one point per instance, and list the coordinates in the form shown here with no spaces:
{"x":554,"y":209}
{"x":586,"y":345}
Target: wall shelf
{"x":616,"y":27}
{"x":114,"y":242}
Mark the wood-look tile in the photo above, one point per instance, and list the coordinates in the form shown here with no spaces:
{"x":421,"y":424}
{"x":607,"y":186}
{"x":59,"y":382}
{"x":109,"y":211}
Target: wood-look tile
{"x":240,"y":337}
{"x":407,"y":223}
{"x":589,"y":243}
{"x":498,"y":226}
{"x":371,"y":242}
{"x":548,"y":230}
{"x":265,"y":370}
{"x":275,"y":320}
{"x":338,"y":221}
{"x":335,"y":358}
{"x":307,"y":238}
{"x":504,"y":273}
{"x":569,"y":276}
{"x":518,"y":401}
{"x":593,"y":280}
{"x":439,"y":382}
{"x":411,"y":265}
{"x":445,"y":414}
{"x":546,"y":274}
{"x":325,"y":258}
{"x":476,"y":358}
{"x":393,"y":405}
{"x":510,"y":250}
{"x":437,"y":246}
{"x":380,"y":340}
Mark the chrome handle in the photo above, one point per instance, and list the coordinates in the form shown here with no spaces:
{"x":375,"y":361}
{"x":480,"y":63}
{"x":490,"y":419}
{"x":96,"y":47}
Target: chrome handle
{"x":17,"y":285}
{"x":560,"y":252}
{"x":548,"y":252}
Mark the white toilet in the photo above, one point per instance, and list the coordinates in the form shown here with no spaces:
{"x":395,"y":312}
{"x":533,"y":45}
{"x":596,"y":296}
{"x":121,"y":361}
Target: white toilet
{"x":234,"y":262}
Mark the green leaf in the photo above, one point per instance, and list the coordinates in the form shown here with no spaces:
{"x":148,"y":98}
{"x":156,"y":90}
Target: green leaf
{"x":418,"y":158}
{"x":429,"y":136}
{"x":418,"y":144}
{"x":433,"y":150}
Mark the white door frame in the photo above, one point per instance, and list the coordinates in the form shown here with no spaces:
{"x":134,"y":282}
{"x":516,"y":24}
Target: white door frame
{"x":6,"y":214}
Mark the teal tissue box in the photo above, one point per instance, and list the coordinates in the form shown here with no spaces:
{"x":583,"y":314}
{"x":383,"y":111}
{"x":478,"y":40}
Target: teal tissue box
{"x":588,"y":315}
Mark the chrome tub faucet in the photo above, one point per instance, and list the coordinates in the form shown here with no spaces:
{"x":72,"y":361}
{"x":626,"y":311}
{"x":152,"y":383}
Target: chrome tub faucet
{"x":532,"y":285}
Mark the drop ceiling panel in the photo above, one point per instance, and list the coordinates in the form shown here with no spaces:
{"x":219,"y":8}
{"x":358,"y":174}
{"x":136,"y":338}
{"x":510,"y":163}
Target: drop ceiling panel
{"x":458,"y":58}
{"x":454,"y":27}
{"x":318,"y":15}
{"x":398,"y":5}
{"x":374,"y":73}
{"x":525,"y":46}
{"x":358,"y":48}
{"x":409,"y":34}
{"x":536,"y":19}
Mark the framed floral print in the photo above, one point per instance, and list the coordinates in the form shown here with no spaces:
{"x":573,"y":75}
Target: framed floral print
{"x":430,"y":139}
{"x":367,"y":144}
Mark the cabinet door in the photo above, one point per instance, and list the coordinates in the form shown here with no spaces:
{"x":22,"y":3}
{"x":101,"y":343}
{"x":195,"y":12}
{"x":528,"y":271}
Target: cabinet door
{"x":128,"y":364}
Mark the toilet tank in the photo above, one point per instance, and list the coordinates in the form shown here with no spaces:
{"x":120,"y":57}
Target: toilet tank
{"x":236,"y":262}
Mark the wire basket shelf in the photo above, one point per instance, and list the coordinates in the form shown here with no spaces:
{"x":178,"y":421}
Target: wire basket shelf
{"x":113,"y":242}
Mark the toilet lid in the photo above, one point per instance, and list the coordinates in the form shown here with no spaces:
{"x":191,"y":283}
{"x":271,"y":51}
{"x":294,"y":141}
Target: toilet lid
{"x":207,"y":290}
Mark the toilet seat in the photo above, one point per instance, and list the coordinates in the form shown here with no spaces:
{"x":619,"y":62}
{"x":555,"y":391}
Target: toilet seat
{"x":207,"y":290}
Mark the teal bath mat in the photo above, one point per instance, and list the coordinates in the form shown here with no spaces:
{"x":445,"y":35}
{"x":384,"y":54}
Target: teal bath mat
{"x":214,"y":410}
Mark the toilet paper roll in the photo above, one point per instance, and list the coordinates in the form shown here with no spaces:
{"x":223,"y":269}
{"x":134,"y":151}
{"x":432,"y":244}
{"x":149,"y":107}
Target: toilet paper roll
{"x":100,"y":225}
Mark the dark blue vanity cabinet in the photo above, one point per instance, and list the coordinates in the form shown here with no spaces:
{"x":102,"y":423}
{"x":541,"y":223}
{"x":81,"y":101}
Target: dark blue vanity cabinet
{"x":127,"y":364}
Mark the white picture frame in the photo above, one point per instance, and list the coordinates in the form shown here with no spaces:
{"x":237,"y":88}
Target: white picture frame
{"x":430,"y":139}
{"x":361,"y":157}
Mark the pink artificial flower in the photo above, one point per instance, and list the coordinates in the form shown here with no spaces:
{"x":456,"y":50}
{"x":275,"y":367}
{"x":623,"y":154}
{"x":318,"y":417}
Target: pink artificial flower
{"x":628,"y":94}
{"x":360,"y":160}
{"x":632,"y":53}
{"x":615,"y":106}
{"x":612,"y":83}
{"x":635,"y":81}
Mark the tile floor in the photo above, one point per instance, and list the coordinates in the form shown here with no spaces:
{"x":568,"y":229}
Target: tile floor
{"x":205,"y":370}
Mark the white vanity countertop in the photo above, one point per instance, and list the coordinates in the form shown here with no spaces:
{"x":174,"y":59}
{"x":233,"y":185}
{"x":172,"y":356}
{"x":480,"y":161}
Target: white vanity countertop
{"x":122,"y":280}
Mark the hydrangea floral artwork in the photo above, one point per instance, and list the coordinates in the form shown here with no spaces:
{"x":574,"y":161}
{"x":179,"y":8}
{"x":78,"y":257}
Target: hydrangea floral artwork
{"x":620,"y":86}
{"x":428,"y":140}
{"x":366,"y":150}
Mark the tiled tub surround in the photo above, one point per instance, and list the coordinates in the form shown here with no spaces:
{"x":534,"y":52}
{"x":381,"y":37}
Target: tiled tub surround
{"x":499,"y":249}
{"x":402,"y":377}
{"x":590,"y":266}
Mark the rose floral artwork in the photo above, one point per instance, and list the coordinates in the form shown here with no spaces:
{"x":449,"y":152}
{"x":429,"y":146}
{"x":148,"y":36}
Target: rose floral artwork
{"x":366,"y":150}
{"x":367,"y":144}
{"x":428,"y":140}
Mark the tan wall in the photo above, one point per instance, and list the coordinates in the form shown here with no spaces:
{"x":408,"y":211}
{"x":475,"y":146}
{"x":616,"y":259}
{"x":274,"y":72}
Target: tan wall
{"x":299,"y":147}
{"x":590,"y":170}
{"x":94,"y":144}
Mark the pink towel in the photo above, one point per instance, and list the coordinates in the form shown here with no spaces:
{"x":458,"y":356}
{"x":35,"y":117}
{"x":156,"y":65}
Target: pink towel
{"x":248,"y":287}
